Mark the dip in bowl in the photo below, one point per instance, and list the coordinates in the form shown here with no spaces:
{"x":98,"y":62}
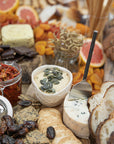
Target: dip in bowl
{"x":51,"y":83}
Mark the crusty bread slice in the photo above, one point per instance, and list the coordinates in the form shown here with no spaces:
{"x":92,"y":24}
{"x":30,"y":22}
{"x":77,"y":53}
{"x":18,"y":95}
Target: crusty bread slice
{"x":102,"y":111}
{"x":52,"y":117}
{"x":96,"y":99}
{"x":105,"y":130}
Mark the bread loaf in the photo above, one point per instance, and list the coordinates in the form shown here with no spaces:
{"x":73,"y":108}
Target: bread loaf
{"x":105,"y":131}
{"x":52,"y":117}
{"x":102,"y":111}
{"x":96,"y":99}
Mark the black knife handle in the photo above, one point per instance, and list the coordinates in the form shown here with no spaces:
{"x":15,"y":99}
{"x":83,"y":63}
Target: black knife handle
{"x":90,"y":54}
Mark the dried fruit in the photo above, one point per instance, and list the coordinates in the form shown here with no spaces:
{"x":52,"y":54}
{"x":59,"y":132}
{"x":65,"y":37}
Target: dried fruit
{"x":45,"y":26}
{"x":38,"y":32}
{"x":43,"y":33}
{"x":40,"y":49}
{"x":94,"y":78}
{"x":24,"y":103}
{"x":50,"y":132}
{"x":83,"y":29}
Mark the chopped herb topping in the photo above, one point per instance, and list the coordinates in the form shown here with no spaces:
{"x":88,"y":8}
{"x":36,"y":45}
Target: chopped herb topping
{"x":52,"y":77}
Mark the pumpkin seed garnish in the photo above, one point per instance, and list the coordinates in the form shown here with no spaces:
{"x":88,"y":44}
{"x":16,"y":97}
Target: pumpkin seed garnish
{"x":43,"y":81}
{"x":52,"y":77}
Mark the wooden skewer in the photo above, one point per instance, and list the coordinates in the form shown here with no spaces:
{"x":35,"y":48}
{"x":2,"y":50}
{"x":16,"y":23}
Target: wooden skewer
{"x":91,"y":16}
{"x":88,"y":4}
{"x":104,"y":16}
{"x":97,"y":8}
{"x":98,"y":11}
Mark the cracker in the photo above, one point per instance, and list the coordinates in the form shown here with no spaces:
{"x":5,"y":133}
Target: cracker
{"x":29,"y":113}
{"x":36,"y":137}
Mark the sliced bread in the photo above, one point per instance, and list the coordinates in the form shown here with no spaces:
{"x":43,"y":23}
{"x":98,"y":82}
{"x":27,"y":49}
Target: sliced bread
{"x":96,"y":99}
{"x":102,"y":111}
{"x":105,"y":131}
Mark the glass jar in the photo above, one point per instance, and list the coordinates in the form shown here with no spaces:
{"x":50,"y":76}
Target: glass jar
{"x":11,"y":88}
{"x":67,"y":61}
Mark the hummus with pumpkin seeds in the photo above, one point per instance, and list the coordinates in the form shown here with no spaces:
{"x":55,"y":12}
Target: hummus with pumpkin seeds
{"x":58,"y":82}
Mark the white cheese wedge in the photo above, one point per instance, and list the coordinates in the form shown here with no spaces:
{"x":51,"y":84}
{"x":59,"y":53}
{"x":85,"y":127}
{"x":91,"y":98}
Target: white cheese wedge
{"x":17,"y":35}
{"x":75,"y":116}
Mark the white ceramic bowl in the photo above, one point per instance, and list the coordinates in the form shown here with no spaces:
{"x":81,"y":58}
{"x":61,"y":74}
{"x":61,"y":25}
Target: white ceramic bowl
{"x":49,"y":99}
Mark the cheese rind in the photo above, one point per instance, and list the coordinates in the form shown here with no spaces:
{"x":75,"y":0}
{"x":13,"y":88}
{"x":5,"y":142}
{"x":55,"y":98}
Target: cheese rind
{"x":17,"y":35}
{"x":76,"y":115}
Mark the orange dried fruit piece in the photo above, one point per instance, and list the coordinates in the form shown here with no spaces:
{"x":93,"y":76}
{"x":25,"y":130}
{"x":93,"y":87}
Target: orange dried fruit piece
{"x":90,"y":72}
{"x":40,"y":49}
{"x":50,"y":35}
{"x":83,"y":29}
{"x":78,"y":77}
{"x":81,"y":70}
{"x":38,"y":32}
{"x":44,"y":36}
{"x":75,"y":82}
{"x":89,"y":82}
{"x":49,"y":51}
{"x":45,"y":26}
{"x":97,"y":87}
{"x":41,"y":43}
{"x":95,"y":92}
{"x":3,"y":17}
{"x":99,"y":72}
{"x":74,"y":74}
{"x":94,"y":78}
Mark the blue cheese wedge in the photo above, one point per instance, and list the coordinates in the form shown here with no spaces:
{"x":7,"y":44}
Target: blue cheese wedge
{"x":76,"y":115}
{"x":17,"y":35}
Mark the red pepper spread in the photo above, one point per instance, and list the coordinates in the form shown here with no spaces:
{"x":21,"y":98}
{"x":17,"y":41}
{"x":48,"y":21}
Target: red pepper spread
{"x":7,"y":72}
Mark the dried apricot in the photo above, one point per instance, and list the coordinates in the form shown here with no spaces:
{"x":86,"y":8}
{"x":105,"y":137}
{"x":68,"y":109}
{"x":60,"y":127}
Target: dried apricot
{"x":89,"y":82}
{"x":45,"y":26}
{"x":97,"y":87}
{"x":50,"y":35}
{"x":83,"y":29}
{"x":2,"y":18}
{"x":41,"y":43}
{"x":40,"y":49}
{"x":94,"y":78}
{"x":78,"y":77}
{"x":49,"y":51}
{"x":38,"y":32}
